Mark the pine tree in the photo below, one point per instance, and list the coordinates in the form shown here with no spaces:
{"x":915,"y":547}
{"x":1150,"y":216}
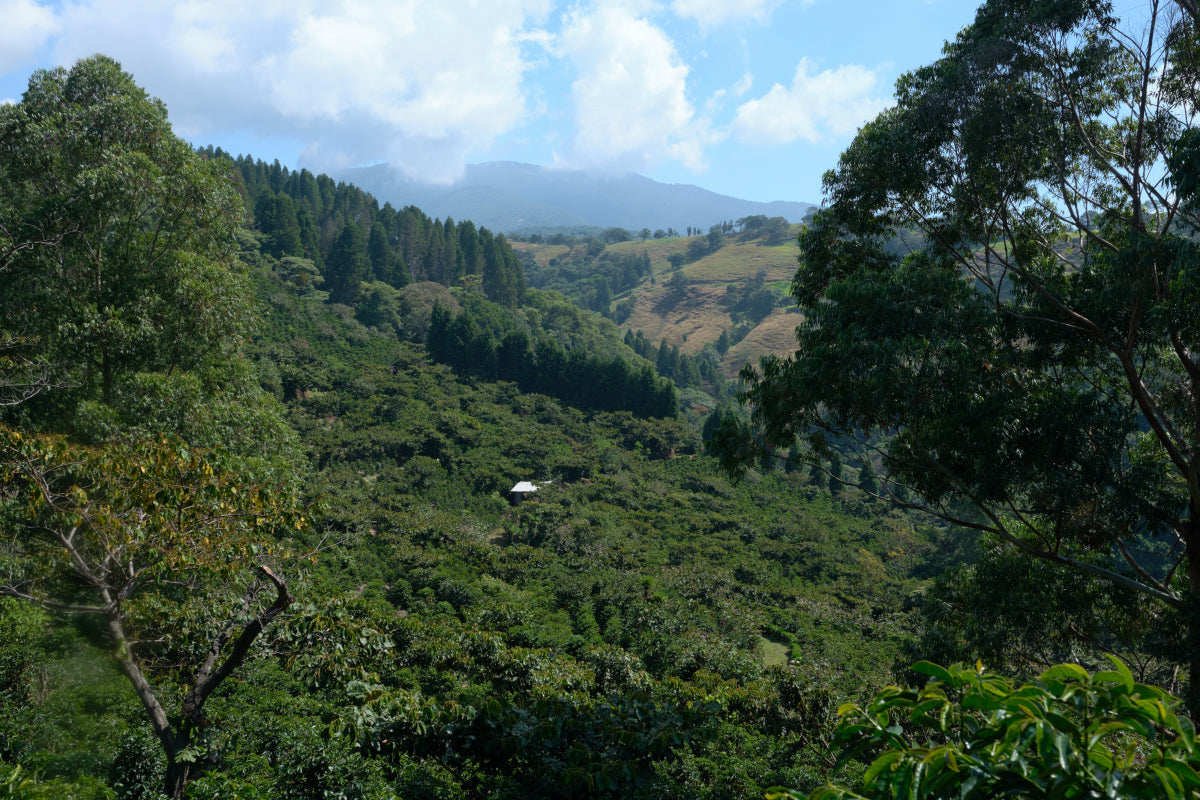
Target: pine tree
{"x":347,"y":265}
{"x":437,"y":340}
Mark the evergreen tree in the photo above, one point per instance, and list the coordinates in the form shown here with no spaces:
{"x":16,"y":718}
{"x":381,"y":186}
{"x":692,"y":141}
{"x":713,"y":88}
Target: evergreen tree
{"x":513,"y":357}
{"x":664,"y":363}
{"x":603,"y":304}
{"x":463,"y":332}
{"x":435,"y":264}
{"x":347,"y":265}
{"x":380,"y":254}
{"x":453,"y":263}
{"x":275,"y":215}
{"x":712,"y":423}
{"x":835,"y":472}
{"x":723,"y":342}
{"x":437,"y":340}
{"x":469,"y":249}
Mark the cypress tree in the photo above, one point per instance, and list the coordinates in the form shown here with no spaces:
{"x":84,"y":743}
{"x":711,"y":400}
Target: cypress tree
{"x":347,"y":265}
{"x":437,"y":339}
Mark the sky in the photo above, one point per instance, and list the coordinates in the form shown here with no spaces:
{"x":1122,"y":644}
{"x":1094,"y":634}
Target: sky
{"x":749,"y":98}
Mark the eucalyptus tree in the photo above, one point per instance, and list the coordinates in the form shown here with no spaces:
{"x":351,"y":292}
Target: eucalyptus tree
{"x":1005,"y":283}
{"x":118,"y":251}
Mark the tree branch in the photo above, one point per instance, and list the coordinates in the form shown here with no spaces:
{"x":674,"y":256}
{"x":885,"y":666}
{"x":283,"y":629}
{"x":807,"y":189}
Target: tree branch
{"x":207,"y":680}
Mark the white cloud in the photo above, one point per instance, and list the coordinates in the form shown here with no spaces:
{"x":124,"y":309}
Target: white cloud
{"x":419,"y":84}
{"x":630,"y":100}
{"x":710,"y":13}
{"x":816,"y":108}
{"x":26,"y":27}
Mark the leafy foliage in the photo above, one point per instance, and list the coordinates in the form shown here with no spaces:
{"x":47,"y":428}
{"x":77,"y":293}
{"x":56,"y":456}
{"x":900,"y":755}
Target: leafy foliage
{"x":127,"y":267}
{"x":609,"y":637}
{"x":142,"y":535}
{"x":974,"y":735}
{"x":1019,"y":370}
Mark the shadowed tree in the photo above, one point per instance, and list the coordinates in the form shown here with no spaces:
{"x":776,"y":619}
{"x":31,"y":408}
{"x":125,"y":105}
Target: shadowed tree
{"x":1003,"y":290}
{"x":347,"y":265}
{"x":169,"y":548}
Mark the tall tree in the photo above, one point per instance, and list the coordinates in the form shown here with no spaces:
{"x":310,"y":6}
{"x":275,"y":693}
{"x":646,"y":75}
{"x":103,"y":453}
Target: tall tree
{"x":503,"y":279}
{"x":1005,"y":283}
{"x":347,"y":265}
{"x":275,"y":215}
{"x":141,"y":273}
{"x":469,"y":249}
{"x":129,"y":285}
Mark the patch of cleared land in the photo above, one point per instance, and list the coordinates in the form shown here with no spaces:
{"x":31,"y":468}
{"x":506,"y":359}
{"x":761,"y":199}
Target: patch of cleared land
{"x":542,"y":253}
{"x":775,"y":654}
{"x":692,"y":321}
{"x":687,"y":322}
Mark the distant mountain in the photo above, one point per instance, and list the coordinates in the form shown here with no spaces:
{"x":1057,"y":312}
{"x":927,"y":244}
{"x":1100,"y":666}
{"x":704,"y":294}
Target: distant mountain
{"x":508,"y":196}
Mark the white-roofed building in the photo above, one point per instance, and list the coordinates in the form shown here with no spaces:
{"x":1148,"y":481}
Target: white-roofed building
{"x":519,"y":492}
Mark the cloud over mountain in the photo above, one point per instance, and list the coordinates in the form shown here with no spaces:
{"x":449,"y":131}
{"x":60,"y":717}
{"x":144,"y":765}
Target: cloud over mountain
{"x":431,"y":87}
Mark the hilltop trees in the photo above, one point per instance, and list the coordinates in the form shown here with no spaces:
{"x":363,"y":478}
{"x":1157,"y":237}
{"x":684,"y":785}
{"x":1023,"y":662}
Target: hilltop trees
{"x":402,"y":245}
{"x":491,"y":349}
{"x":503,"y":279}
{"x":347,"y":265}
{"x":1033,"y":355}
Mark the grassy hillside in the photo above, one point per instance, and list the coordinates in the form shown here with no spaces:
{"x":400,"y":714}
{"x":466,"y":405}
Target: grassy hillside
{"x":698,"y":316}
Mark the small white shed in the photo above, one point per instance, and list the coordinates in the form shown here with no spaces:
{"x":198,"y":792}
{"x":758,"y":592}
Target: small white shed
{"x":520,"y":492}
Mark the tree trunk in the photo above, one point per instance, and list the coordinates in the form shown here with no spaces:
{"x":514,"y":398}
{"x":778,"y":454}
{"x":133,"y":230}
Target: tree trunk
{"x":178,"y":775}
{"x":175,"y":740}
{"x":1191,"y":614}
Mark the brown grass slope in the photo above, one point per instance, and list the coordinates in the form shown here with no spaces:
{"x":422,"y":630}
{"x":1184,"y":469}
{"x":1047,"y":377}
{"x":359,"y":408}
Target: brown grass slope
{"x":698,"y":318}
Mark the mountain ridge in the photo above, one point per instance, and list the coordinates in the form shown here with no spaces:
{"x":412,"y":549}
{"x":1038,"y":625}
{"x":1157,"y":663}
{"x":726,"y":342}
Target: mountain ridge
{"x":511,"y":196}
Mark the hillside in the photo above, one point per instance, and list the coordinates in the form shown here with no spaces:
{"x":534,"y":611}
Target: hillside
{"x":269,"y":486}
{"x":698,"y":315}
{"x":259,"y":436}
{"x":664,"y":630}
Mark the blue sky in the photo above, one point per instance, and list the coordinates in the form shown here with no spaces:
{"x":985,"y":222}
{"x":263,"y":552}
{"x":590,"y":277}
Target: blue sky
{"x":753,"y":98}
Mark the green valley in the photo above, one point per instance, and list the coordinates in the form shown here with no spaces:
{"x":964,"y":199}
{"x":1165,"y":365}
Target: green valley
{"x":307,"y":497}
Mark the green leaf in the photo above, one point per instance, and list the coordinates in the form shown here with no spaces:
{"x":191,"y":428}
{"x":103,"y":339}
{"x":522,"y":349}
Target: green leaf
{"x":1172,"y":786}
{"x":933,"y":670}
{"x":1187,"y":734}
{"x":885,"y":761}
{"x":1185,"y":773}
{"x":1126,"y":676}
{"x":1066,"y":672}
